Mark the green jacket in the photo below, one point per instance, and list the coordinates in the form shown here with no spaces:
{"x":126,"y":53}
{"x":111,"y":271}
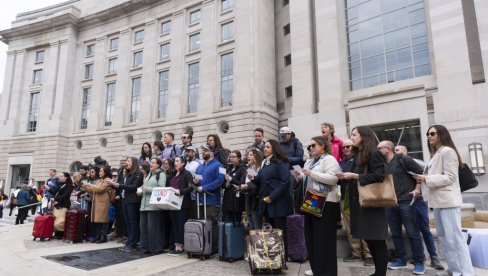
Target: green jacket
{"x":149,"y":183}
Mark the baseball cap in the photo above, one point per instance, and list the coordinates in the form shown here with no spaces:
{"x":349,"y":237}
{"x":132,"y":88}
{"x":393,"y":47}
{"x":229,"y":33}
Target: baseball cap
{"x":191,"y":148}
{"x":207,"y":147}
{"x":285,"y":130}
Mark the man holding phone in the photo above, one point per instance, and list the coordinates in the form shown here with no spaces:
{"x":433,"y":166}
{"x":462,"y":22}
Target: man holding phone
{"x":407,"y":190}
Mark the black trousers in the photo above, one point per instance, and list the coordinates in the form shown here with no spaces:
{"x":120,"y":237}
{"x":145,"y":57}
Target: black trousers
{"x":12,"y":207}
{"x":379,"y":252}
{"x":280,"y":223}
{"x":21,"y":215}
{"x":120,"y":227}
{"x":321,"y":239}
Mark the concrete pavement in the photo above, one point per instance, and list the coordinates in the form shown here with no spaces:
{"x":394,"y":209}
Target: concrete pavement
{"x":20,"y":255}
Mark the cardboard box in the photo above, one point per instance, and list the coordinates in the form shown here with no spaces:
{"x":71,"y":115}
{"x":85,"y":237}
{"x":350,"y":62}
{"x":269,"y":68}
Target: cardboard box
{"x":165,"y":198}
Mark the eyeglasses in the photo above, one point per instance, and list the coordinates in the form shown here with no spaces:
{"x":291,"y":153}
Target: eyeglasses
{"x":347,"y":147}
{"x":311,"y":146}
{"x":115,"y":175}
{"x":432,"y":133}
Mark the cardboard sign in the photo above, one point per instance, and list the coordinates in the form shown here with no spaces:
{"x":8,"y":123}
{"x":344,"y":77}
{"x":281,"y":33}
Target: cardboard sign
{"x":165,"y":198}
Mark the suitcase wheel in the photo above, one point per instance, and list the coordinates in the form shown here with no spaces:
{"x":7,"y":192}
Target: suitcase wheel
{"x":202,"y":258}
{"x":34,"y":239}
{"x":42,"y":239}
{"x":189,"y":255}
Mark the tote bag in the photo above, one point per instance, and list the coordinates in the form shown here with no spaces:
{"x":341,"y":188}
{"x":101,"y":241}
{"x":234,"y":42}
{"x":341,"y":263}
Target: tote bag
{"x":381,"y":194}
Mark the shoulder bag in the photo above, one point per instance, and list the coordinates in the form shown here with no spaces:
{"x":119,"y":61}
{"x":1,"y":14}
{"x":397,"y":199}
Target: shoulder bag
{"x":380,"y":194}
{"x":467,"y":180}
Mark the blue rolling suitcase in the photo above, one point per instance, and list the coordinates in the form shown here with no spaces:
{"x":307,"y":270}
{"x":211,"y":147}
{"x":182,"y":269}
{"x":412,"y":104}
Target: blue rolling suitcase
{"x":231,"y":241}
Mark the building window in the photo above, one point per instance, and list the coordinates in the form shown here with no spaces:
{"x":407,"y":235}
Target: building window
{"x":227,"y":5}
{"x":136,"y":99}
{"x":195,"y":17}
{"x":286,"y":29}
{"x":114,"y":44}
{"x":109,"y":104}
{"x":285,"y":2}
{"x":137,"y":59}
{"x":33,"y":112}
{"x":39,"y":56}
{"x":227,"y":32}
{"x":37,"y":76}
{"x":164,"y":51}
{"x":287,"y":60}
{"x":194,"y":42}
{"x":89,"y":71}
{"x":226,"y":79}
{"x":166,"y":27}
{"x":387,"y":42}
{"x":193,"y":86}
{"x":139,"y":36}
{"x":112,"y":65}
{"x":85,"y":107}
{"x":90,"y":50}
{"x":163,"y":93}
{"x":407,"y":134}
{"x":289,"y":91}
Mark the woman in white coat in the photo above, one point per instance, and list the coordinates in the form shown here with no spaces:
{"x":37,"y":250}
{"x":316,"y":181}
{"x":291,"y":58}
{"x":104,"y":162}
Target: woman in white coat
{"x":444,"y":196}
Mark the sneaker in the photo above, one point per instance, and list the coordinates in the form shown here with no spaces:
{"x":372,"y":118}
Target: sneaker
{"x":368,"y":261}
{"x":125,"y":249}
{"x":418,"y":269}
{"x":396,"y":264}
{"x":436,"y":264}
{"x":309,"y":272}
{"x":175,"y":253}
{"x":351,"y":258}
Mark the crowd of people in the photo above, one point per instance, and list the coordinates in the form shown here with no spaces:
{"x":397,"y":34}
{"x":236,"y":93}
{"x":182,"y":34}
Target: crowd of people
{"x":258,"y":183}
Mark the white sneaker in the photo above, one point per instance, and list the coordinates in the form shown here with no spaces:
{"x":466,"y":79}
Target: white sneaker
{"x":309,"y":272}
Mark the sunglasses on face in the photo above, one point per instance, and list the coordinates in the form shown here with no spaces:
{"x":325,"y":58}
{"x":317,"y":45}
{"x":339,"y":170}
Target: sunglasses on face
{"x":432,"y":133}
{"x":114,"y":175}
{"x":311,"y":146}
{"x":347,"y":147}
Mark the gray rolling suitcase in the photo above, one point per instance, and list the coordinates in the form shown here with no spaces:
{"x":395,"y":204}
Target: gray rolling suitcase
{"x":198,"y":234}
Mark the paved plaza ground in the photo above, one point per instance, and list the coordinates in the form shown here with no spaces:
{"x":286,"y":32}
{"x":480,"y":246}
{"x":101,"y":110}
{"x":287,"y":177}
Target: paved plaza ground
{"x":20,"y":255}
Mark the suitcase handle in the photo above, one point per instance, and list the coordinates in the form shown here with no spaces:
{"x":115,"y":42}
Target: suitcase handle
{"x":204,"y":205}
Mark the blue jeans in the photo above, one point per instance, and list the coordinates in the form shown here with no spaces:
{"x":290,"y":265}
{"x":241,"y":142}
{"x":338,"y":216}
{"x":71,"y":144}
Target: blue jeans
{"x":453,"y":243}
{"x":423,"y":222}
{"x":405,"y":214}
{"x":131,"y":216}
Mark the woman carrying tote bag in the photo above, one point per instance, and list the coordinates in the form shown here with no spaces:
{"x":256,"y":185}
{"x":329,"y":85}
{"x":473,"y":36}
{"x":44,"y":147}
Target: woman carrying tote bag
{"x":369,"y":224}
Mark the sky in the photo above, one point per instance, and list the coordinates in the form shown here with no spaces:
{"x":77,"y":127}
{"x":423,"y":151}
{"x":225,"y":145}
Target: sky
{"x":8,"y":12}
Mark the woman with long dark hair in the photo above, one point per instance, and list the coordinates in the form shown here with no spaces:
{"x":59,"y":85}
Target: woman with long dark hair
{"x":182,"y":181}
{"x":100,"y":203}
{"x":254,"y":161}
{"x":233,"y":203}
{"x":441,"y":185}
{"x":62,"y":203}
{"x":220,"y":155}
{"x":131,"y":202}
{"x":150,"y":224}
{"x":273,"y":186}
{"x":319,"y":174}
{"x":369,"y":224}
{"x":146,"y":153}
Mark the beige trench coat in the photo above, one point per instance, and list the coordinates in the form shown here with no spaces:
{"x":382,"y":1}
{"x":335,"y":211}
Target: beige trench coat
{"x":101,"y":201}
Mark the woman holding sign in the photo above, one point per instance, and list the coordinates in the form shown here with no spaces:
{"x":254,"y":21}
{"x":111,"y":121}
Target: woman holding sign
{"x":320,"y":206}
{"x":182,"y":181}
{"x":151,"y":231}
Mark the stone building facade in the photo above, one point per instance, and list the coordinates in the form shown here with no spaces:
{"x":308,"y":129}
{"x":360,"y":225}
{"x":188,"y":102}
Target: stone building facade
{"x":228,"y":66}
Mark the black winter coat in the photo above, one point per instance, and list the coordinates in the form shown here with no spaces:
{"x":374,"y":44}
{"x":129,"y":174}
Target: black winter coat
{"x":63,"y":195}
{"x":368,"y":223}
{"x":185,"y":182}
{"x":231,"y":202}
{"x":273,"y":180}
{"x":130,"y":186}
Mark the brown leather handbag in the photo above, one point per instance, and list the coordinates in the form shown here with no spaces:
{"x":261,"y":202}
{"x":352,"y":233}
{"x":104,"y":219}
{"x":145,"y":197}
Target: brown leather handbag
{"x":381,"y":194}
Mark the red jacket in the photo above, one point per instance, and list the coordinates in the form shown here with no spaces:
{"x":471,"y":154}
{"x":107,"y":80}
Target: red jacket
{"x":337,"y":148}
